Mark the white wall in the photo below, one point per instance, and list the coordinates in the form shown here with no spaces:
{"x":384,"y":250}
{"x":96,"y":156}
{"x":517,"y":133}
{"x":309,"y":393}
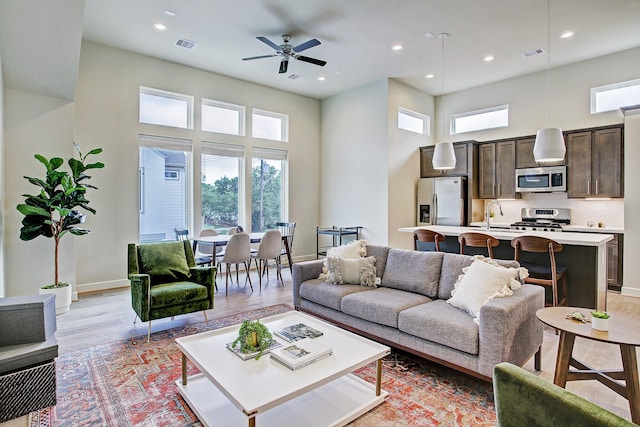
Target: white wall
{"x":631,"y":270}
{"x":2,"y":218}
{"x":107,"y":117}
{"x":43,"y":125}
{"x":354,"y":161}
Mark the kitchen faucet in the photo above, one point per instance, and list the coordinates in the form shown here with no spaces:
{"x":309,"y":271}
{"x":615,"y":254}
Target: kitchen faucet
{"x":487,"y":210}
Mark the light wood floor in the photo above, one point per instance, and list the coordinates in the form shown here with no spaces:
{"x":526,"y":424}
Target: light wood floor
{"x":106,"y":316}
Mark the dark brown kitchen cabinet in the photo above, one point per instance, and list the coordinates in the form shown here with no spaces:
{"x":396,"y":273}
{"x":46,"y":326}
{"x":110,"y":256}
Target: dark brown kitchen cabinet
{"x":496,"y":170}
{"x":524,"y":154}
{"x":595,"y":165}
{"x":426,"y":165}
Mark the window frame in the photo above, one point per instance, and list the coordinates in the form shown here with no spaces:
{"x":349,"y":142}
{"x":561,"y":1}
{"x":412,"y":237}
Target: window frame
{"x":284,"y":124}
{"x":454,"y":117}
{"x":426,"y":120}
{"x":189,"y":99}
{"x":610,"y":87}
{"x":240,"y":109}
{"x":272,"y":154}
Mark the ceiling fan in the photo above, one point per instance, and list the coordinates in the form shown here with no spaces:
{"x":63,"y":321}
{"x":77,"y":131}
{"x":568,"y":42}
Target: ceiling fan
{"x":287,"y":51}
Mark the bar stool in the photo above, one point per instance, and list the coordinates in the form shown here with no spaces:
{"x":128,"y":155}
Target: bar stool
{"x":428,"y":236}
{"x":546,"y":275}
{"x":478,"y":240}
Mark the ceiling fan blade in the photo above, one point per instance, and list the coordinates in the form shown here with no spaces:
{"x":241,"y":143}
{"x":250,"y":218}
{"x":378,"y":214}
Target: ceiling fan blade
{"x":268,"y":42}
{"x":258,"y":57}
{"x":284,"y":65}
{"x":311,"y":60}
{"x":306,"y":45}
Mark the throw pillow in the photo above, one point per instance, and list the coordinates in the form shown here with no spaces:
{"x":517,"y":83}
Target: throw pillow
{"x":483,"y":280}
{"x":352,"y":250}
{"x":164,"y":262}
{"x":359,"y":271}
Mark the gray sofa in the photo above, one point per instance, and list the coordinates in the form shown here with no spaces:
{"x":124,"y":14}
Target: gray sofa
{"x":400,"y":313}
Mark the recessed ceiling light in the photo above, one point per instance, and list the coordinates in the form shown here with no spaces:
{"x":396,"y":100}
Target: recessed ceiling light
{"x":396,"y":47}
{"x":428,"y":34}
{"x":429,"y":76}
{"x":169,"y":12}
{"x":566,"y":35}
{"x":160,"y":27}
{"x":489,"y":58}
{"x":322,"y":78}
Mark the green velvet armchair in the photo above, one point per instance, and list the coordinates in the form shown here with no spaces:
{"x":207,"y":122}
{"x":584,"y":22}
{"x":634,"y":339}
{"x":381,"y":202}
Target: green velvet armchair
{"x":165,"y":281}
{"x":523,"y":399}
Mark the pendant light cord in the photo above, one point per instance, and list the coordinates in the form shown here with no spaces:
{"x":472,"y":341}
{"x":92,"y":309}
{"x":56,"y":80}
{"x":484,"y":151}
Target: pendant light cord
{"x":548,"y":63}
{"x":442,"y":37}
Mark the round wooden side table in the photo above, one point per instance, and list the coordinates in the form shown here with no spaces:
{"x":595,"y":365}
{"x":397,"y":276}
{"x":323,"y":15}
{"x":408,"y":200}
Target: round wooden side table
{"x":623,"y":331}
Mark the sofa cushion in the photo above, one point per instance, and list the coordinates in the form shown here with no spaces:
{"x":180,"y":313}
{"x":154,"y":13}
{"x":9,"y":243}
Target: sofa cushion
{"x":359,"y":271}
{"x":413,"y":271}
{"x":164,"y":262}
{"x":380,"y":305}
{"x":175,"y":293}
{"x":380,"y":252}
{"x":441,"y":323}
{"x":320,"y":292}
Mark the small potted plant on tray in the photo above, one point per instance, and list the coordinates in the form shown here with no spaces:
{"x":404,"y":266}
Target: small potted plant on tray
{"x":600,"y":320}
{"x":253,"y":337}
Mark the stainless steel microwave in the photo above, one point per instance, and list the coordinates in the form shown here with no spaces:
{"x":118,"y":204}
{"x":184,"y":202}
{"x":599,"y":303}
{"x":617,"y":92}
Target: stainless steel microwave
{"x":546,"y":179}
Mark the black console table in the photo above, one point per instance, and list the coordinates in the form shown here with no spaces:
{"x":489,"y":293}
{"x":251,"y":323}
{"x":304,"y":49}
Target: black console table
{"x":336,"y":234}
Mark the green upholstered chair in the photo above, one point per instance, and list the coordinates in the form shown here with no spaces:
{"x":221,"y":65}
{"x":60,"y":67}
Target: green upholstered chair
{"x":166,"y":282}
{"x":523,"y":399}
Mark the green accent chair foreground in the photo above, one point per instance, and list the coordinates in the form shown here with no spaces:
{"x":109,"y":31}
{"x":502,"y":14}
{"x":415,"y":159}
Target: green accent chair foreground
{"x":166,"y":282}
{"x":523,"y":399}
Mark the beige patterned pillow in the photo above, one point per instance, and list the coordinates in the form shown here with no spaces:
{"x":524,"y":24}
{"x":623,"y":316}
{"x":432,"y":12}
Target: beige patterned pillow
{"x":358,"y":271}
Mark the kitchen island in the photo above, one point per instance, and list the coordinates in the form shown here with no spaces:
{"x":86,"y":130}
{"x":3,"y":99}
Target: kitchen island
{"x":584,"y":255}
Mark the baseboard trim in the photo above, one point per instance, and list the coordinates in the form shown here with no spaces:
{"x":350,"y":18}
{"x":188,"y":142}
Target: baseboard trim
{"x":102,"y":286}
{"x":630,"y":292}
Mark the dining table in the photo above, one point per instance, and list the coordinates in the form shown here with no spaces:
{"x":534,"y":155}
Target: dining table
{"x":223,"y":239}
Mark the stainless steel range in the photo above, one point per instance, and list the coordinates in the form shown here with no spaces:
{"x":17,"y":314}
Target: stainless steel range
{"x":543,"y":219}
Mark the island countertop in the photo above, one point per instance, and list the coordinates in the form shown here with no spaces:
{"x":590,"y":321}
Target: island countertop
{"x":565,"y":238}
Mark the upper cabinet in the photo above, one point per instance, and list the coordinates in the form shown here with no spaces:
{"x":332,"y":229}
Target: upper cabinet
{"x":524,"y":154}
{"x":461,"y":149}
{"x":496,"y":170}
{"x":595,"y":163}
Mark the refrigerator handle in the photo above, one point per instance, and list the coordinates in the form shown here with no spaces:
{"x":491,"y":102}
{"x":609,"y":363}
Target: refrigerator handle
{"x":461,"y":209}
{"x":434,"y":215}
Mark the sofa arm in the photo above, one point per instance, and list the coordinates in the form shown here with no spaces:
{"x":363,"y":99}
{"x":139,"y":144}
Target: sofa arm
{"x":303,"y":271}
{"x":523,"y":399}
{"x":205,"y":276}
{"x":140,"y":287}
{"x":509,"y":328}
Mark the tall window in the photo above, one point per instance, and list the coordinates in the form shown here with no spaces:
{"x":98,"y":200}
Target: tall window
{"x":221,"y":185}
{"x":268,"y":188}
{"x":612,"y":97}
{"x":269,"y":125}
{"x":164,"y":182}
{"x":222,"y":117}
{"x":487,"y":118}
{"x":159,"y":107}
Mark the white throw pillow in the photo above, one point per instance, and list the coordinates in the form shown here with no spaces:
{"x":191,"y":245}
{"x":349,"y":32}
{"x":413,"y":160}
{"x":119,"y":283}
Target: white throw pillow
{"x":482,"y":281}
{"x":352,"y":250}
{"x":359,"y":271}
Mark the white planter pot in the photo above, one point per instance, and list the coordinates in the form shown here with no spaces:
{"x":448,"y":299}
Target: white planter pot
{"x":63,"y":298}
{"x":600,"y":324}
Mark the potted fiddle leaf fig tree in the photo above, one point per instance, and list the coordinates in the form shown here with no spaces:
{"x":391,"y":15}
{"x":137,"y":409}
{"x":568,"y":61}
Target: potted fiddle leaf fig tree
{"x":55,"y":210}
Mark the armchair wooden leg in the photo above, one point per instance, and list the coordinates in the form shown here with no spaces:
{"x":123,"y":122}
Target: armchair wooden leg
{"x":135,"y":317}
{"x":205,"y":318}
{"x":149,"y":331}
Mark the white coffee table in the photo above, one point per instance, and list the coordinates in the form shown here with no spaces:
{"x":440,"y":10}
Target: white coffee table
{"x":233,"y":392}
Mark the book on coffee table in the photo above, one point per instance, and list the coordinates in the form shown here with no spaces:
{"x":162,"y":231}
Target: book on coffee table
{"x":297,"y":332}
{"x":301,"y":353}
{"x":246,"y":356}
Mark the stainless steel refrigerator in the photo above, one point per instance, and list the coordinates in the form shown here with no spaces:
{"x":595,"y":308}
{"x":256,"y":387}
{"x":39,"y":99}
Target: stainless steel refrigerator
{"x":442,"y":201}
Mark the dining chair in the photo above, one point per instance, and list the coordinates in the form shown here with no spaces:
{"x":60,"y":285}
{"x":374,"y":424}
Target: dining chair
{"x":183,"y":235}
{"x":270,"y":248}
{"x":238,"y":251}
{"x":424,"y":235}
{"x":287,"y":229}
{"x":478,"y":240}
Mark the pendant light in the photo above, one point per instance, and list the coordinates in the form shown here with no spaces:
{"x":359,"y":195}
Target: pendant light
{"x":443,"y":155}
{"x":549,"y":145}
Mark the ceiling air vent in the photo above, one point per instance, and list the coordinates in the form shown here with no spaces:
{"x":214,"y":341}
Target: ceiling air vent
{"x":188,"y":44}
{"x":295,"y":76}
{"x":531,"y":53}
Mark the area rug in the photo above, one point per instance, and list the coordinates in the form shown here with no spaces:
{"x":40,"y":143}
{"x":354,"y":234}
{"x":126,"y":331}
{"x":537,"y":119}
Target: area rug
{"x":131,"y":383}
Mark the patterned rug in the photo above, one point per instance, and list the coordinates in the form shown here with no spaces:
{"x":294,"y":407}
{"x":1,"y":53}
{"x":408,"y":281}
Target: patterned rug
{"x":131,"y":383}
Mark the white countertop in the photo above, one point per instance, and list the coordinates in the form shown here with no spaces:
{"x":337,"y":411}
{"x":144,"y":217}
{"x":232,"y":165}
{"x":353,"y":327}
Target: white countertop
{"x":576,"y":228}
{"x":565,"y":237}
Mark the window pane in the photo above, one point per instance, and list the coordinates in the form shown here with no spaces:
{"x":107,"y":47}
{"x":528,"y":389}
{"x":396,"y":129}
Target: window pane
{"x":269,"y":126}
{"x":164,"y":108}
{"x":412,"y":121}
{"x":219,"y":188}
{"x":612,"y":97}
{"x":222,"y":118}
{"x":163,"y":192}
{"x":267,"y":194}
{"x":479,"y":120}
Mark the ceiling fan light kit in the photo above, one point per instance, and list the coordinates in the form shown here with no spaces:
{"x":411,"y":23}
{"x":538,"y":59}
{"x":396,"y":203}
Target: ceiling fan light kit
{"x":444,"y":157}
{"x":549,"y":145}
{"x":287,"y":51}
